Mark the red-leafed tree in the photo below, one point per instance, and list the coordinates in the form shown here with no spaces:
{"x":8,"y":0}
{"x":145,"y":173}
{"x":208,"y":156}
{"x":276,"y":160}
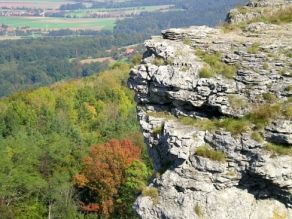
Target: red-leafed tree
{"x":103,"y":173}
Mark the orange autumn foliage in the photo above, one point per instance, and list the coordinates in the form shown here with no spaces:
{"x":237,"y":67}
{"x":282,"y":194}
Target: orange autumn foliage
{"x":103,"y":173}
{"x":91,"y":207}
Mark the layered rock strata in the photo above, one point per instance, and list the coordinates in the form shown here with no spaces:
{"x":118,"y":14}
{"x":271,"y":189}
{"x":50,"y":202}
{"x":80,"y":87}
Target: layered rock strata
{"x":179,"y":111}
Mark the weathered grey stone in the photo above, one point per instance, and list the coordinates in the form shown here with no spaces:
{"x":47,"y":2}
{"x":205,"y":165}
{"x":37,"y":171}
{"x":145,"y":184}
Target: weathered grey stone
{"x":252,"y":182}
{"x":254,"y":9}
{"x":207,"y":165}
{"x":267,"y":3}
{"x":280,"y":131}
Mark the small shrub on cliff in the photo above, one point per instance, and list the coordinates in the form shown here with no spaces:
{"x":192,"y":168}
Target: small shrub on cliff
{"x":269,"y":97}
{"x":162,"y":114}
{"x":243,"y":9}
{"x":280,"y":16}
{"x":158,"y":61}
{"x":289,"y":88}
{"x":288,"y":53}
{"x":211,"y":59}
{"x":137,"y":58}
{"x":158,"y":130}
{"x":187,"y":120}
{"x":257,"y":137}
{"x":283,"y":15}
{"x":237,"y":102}
{"x":234,"y":126}
{"x":226,"y":27}
{"x":206,"y":151}
{"x":187,"y":41}
{"x":288,"y":111}
{"x":198,"y":211}
{"x":215,"y":66}
{"x":204,"y":124}
{"x":206,"y":72}
{"x":152,"y":193}
{"x":229,"y":71}
{"x":254,"y":48}
{"x":261,"y":115}
{"x":266,"y":66}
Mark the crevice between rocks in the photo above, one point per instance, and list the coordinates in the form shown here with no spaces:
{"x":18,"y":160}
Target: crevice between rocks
{"x":264,"y":189}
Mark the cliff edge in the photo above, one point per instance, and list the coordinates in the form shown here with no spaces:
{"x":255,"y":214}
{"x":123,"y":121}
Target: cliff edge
{"x":215,"y":109}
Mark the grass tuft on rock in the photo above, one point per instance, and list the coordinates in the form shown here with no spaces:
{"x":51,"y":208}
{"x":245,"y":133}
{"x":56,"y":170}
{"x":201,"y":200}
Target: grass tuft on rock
{"x":261,"y":115}
{"x":207,"y":152}
{"x":265,"y":66}
{"x":198,"y":210}
{"x":277,"y":149}
{"x":254,"y":48}
{"x":187,"y":41}
{"x":162,"y":114}
{"x":136,"y":59}
{"x":207,"y":72}
{"x":152,"y":193}
{"x":270,"y":97}
{"x":237,"y":102}
{"x":257,"y":119}
{"x":226,"y":27}
{"x":279,"y":16}
{"x":232,"y":125}
{"x":288,"y":88}
{"x":257,"y":137}
{"x":288,"y":111}
{"x":215,"y":66}
{"x":158,"y":130}
{"x":203,"y":124}
{"x":158,"y":61}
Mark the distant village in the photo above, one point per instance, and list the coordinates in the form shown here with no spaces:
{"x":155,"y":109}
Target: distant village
{"x":6,"y":30}
{"x":31,"y":12}
{"x":7,"y":12}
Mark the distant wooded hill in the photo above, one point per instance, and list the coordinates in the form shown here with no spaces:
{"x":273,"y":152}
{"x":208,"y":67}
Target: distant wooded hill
{"x":36,"y":62}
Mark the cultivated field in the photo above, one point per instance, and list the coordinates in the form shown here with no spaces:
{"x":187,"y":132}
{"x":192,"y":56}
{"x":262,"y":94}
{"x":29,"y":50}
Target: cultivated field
{"x":18,"y":14}
{"x":59,"y":23}
{"x":116,"y":11}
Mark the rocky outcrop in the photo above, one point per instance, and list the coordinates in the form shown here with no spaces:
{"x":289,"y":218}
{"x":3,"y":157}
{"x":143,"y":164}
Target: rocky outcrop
{"x":254,"y":9}
{"x":245,"y":169}
{"x":280,"y":132}
{"x":267,"y":3}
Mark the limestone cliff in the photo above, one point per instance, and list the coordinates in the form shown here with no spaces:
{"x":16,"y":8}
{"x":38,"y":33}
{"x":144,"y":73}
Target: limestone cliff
{"x":215,"y":111}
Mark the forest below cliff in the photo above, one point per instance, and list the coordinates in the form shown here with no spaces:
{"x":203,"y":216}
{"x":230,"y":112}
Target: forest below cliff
{"x":59,"y":144}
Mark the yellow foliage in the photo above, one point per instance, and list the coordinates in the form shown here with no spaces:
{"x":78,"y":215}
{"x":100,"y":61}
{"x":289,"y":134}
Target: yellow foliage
{"x":91,"y":110}
{"x":80,"y":180}
{"x":279,"y":215}
{"x":42,"y":97}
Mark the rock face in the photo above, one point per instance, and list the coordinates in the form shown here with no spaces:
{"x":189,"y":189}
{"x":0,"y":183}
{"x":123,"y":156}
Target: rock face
{"x":181,"y":112}
{"x":254,"y":9}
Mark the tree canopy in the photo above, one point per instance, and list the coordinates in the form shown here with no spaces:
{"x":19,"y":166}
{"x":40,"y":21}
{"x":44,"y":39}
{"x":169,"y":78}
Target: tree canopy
{"x":46,"y":133}
{"x":108,"y":176}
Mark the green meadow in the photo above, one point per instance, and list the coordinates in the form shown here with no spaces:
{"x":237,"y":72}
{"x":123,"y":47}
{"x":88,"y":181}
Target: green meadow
{"x":85,"y":12}
{"x":59,"y":23}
